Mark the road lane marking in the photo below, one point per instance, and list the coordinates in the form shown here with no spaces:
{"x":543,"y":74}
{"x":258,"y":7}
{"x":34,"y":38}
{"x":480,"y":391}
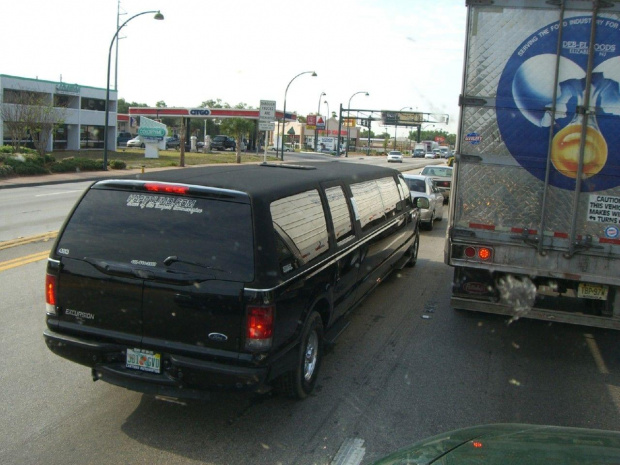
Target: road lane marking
{"x":351,"y":452}
{"x":596,"y":353}
{"x":20,"y":261}
{"x":56,"y":193}
{"x":27,"y":240}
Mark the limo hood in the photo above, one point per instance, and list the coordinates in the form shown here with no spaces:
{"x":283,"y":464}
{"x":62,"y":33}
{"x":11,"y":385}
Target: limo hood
{"x":159,"y":271}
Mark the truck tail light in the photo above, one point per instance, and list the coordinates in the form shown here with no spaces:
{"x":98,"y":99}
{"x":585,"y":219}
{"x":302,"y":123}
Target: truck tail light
{"x":259,"y":327}
{"x":478,"y":253}
{"x":50,"y":293}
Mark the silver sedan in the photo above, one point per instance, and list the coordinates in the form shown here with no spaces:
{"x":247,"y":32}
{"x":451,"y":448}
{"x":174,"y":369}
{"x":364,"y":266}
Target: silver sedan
{"x":423,"y":186}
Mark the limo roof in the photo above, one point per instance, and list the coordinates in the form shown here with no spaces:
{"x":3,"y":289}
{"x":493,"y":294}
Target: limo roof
{"x":269,"y":180}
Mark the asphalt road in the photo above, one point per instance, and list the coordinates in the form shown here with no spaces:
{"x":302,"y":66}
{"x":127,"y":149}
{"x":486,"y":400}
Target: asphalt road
{"x":407,"y":367}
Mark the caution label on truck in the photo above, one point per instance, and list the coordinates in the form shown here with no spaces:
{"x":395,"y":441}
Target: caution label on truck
{"x":604,"y":209}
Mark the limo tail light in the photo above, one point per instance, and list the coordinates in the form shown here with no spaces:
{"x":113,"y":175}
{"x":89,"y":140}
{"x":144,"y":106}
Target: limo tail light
{"x":50,"y":293}
{"x":259,"y":327}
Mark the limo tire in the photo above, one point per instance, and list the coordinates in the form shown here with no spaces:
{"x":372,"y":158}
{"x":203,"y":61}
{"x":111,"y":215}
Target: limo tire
{"x":413,"y":251}
{"x":300,"y":382}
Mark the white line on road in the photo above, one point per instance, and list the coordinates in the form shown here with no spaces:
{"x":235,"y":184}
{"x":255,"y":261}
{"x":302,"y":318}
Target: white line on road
{"x":351,"y":452}
{"x":596,"y":353}
{"x":57,"y":193}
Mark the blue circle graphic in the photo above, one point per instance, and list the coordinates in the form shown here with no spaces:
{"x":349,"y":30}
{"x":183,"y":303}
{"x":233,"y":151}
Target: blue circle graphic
{"x":525,"y":97}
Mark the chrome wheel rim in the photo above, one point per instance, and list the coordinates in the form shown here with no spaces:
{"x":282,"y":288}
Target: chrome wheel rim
{"x":311,"y":355}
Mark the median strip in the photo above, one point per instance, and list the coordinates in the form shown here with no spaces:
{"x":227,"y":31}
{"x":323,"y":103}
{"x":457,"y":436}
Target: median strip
{"x":28,"y":240}
{"x":20,"y":261}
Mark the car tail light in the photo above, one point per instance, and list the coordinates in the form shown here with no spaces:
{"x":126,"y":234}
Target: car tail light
{"x":166,"y":188}
{"x":50,"y":293}
{"x":259,"y":327}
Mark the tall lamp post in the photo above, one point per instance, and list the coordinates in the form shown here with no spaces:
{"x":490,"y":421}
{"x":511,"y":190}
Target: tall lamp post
{"x":316,"y":130}
{"x":396,"y":126}
{"x":329,"y":115}
{"x":284,"y":115}
{"x":346,"y":150}
{"x":157,"y":16}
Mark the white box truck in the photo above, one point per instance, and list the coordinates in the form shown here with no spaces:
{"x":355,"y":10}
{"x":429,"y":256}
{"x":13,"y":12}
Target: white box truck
{"x":534,"y":222}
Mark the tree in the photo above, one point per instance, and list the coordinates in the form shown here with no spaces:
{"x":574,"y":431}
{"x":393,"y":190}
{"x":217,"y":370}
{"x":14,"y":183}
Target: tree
{"x":26,"y":112}
{"x":13,"y":115}
{"x":44,"y":119}
{"x":161,"y":104}
{"x":238,"y":128}
{"x":122,"y":106}
{"x":364,"y":134}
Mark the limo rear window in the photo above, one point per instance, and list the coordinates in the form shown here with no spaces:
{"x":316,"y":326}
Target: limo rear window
{"x":143,"y":229}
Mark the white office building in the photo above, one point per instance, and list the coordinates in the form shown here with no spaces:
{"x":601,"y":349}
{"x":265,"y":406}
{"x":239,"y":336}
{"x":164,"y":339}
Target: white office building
{"x":82,"y":109}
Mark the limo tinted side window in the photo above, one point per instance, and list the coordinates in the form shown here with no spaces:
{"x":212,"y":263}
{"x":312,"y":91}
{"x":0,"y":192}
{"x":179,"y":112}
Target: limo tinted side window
{"x":299,"y":220}
{"x":341,"y":218}
{"x":389,"y":195}
{"x":367,"y":204}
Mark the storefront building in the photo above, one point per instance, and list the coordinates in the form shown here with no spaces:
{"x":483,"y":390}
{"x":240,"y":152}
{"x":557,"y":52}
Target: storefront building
{"x":81,"y":111}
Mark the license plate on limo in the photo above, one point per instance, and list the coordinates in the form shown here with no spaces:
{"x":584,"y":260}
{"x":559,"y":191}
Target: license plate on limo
{"x":143,"y":360}
{"x":592,"y":291}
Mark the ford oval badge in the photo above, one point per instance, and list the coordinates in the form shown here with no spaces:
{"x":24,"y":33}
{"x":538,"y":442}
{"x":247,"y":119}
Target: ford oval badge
{"x":218,"y":337}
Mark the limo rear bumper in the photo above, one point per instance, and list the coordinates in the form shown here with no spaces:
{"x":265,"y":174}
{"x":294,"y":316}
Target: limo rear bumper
{"x":180,"y":376}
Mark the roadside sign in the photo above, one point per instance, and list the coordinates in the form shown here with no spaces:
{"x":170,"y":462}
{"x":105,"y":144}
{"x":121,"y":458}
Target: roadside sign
{"x":266,"y":126}
{"x":267,"y":110}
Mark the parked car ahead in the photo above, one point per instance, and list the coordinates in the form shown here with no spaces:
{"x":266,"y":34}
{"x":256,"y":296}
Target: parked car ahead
{"x":429,"y":155}
{"x":442,"y":177}
{"x":173,"y":142}
{"x":122,"y":138}
{"x":135,"y":142}
{"x":424,"y":186}
{"x":223,"y":143}
{"x":419,"y":153}
{"x":395,"y":156}
{"x":220,"y":277}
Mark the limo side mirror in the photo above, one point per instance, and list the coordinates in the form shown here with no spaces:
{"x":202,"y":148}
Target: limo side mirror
{"x":422,"y":202}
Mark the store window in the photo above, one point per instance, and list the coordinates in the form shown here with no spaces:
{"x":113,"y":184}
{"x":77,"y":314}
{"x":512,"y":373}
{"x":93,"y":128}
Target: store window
{"x":60,"y":137}
{"x":91,"y":137}
{"x":94,"y":104}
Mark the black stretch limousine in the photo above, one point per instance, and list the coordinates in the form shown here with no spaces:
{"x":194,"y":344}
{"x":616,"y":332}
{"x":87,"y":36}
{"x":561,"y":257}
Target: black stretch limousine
{"x":223,"y":278}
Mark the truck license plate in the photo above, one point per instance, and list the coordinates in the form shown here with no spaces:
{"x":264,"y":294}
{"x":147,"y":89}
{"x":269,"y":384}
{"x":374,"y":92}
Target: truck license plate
{"x":592,"y":291}
{"x":143,"y":360}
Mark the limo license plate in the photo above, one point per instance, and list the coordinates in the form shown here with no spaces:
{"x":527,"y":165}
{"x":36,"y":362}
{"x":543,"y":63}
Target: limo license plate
{"x":143,"y":360}
{"x":592,"y":291}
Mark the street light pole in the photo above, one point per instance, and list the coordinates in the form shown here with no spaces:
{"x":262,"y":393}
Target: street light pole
{"x":329,"y":115}
{"x":284,"y":115}
{"x":396,"y":126}
{"x":346,"y":150}
{"x":157,"y":16}
{"x":316,"y":129}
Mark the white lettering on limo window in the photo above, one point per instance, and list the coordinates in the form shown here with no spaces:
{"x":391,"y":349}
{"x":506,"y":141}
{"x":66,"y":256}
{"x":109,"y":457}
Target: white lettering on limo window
{"x":163,"y":203}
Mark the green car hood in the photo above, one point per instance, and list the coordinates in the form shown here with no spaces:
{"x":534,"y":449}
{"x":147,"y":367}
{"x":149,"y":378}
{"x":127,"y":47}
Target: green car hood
{"x":513,"y":444}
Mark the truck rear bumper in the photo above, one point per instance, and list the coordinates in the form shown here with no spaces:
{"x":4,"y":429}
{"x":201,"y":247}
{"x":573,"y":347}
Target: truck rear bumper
{"x":180,"y":376}
{"x":535,"y":313}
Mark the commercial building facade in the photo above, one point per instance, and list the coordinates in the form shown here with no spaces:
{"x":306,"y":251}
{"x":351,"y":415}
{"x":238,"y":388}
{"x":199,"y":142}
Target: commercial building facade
{"x":81,"y":111}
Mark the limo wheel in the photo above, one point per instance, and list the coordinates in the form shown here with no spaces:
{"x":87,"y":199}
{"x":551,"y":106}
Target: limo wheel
{"x":300,"y":382}
{"x":413,"y":251}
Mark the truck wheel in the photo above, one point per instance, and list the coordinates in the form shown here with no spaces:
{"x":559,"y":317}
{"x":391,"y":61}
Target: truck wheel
{"x":413,"y":251}
{"x":300,"y":382}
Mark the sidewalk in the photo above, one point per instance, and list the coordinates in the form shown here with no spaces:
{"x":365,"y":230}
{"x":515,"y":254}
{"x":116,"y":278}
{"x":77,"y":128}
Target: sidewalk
{"x":83,"y":176}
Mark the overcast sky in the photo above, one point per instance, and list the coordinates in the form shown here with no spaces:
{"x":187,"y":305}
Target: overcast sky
{"x":404,"y":53}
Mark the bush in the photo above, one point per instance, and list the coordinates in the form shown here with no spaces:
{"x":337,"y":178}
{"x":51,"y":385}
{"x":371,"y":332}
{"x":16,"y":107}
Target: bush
{"x":6,"y":171}
{"x":118,"y":165}
{"x":68,"y":165}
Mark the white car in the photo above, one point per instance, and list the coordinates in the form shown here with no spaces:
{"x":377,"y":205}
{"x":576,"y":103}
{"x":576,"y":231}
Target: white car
{"x":395,"y":156}
{"x":423,"y":186}
{"x":135,"y":142}
{"x":429,"y":155}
